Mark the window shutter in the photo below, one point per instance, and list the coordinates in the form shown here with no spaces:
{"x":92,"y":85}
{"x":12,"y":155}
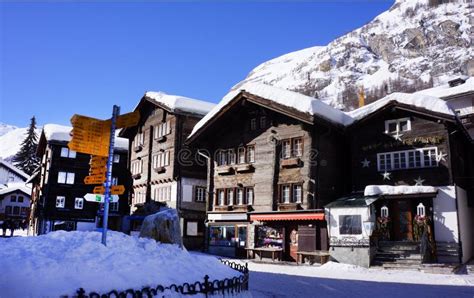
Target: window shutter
{"x":168,"y":127}
{"x":167,"y":158}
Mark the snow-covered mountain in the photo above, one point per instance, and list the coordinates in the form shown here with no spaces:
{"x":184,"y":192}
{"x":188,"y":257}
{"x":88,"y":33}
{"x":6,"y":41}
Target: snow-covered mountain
{"x":414,"y":45}
{"x":11,"y":138}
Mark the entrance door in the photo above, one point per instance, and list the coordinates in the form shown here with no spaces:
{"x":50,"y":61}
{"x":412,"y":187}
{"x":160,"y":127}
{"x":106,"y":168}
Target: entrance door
{"x":241,"y":241}
{"x":403,"y":221}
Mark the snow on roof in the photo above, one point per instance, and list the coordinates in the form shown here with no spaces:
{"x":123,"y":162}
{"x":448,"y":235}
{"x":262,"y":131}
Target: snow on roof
{"x":10,"y":187}
{"x":14,"y":169}
{"x":430,"y":103}
{"x":181,"y":103}
{"x":372,"y":190}
{"x":444,"y":90}
{"x":61,"y":262}
{"x":55,"y":132}
{"x":283,"y":97}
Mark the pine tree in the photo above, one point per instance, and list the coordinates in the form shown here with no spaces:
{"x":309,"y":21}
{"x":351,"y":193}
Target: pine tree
{"x":26,"y":158}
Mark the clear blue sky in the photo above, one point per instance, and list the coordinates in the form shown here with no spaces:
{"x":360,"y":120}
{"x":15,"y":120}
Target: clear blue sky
{"x":58,"y":59}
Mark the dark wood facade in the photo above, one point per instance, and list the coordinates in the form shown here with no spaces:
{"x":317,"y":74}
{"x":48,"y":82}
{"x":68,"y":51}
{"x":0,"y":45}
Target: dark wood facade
{"x":168,"y":171}
{"x":47,"y":187}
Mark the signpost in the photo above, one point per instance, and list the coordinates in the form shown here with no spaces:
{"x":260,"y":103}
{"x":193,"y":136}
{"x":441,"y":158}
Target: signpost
{"x":97,"y":138}
{"x":98,"y":198}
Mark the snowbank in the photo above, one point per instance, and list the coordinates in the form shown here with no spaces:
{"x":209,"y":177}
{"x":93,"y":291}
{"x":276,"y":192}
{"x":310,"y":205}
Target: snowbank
{"x":444,"y":90}
{"x":61,"y":262}
{"x":176,"y":102}
{"x":372,"y":190}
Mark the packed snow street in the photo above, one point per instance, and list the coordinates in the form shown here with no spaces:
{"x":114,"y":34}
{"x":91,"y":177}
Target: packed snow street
{"x":237,"y":149}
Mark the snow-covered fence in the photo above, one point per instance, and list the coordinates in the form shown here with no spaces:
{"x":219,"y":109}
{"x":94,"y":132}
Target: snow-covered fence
{"x":207,"y":287}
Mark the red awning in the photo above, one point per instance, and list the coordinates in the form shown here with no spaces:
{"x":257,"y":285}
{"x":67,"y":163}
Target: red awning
{"x":287,"y":216}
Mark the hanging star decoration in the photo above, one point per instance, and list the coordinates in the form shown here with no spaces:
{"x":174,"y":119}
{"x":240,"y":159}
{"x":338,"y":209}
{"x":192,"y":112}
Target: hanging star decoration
{"x":365,"y":163}
{"x":419,"y":181}
{"x":441,"y":156}
{"x":386,"y":175}
{"x":398,"y":136}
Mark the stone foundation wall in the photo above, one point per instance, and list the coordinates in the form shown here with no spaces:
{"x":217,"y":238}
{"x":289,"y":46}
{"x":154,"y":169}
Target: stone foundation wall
{"x":360,"y":256}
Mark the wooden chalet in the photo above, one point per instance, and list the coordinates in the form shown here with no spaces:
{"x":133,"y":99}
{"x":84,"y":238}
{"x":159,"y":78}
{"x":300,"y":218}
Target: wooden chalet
{"x":275,"y":159}
{"x":57,"y":201}
{"x":411,"y":166}
{"x":163,"y":169}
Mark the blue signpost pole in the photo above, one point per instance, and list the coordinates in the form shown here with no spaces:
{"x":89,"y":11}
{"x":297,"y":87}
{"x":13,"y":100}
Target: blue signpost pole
{"x":108,"y":174}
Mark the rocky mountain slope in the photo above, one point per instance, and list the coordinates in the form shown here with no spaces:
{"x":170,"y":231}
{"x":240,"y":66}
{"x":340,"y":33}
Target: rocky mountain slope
{"x":414,"y":45}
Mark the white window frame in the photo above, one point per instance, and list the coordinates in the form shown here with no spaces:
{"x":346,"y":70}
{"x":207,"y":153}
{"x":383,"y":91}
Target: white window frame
{"x":384,"y":211}
{"x":421,"y":210}
{"x":397,"y":122}
{"x":79,"y":203}
{"x":297,"y":193}
{"x":286,"y":194}
{"x":221,"y":197}
{"x":389,"y":157}
{"x":250,"y":154}
{"x":241,"y":155}
{"x":231,"y":156}
{"x":68,"y":177}
{"x":286,"y":149}
{"x":230,"y":196}
{"x":249,"y":195}
{"x":136,"y":167}
{"x":200,"y":194}
{"x":67,"y":153}
{"x":60,"y":201}
{"x":240,"y":196}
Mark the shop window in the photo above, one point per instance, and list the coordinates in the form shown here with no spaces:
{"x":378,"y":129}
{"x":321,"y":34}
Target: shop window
{"x":269,"y":237}
{"x":350,"y":225}
{"x":222,"y":236}
{"x":420,"y":209}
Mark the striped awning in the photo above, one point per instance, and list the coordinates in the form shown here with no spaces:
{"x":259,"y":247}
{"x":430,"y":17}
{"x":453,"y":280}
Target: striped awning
{"x":287,"y":216}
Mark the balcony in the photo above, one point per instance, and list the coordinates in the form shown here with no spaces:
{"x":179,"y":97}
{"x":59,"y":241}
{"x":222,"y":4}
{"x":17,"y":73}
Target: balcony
{"x":242,"y":168}
{"x":223,"y":170}
{"x":290,"y":162}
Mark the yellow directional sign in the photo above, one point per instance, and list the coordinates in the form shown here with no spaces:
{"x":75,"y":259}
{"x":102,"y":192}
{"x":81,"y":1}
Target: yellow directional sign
{"x":126,"y":120}
{"x":98,"y":160}
{"x":94,"y":179}
{"x":97,"y":171}
{"x":114,"y":190}
{"x":90,"y":135}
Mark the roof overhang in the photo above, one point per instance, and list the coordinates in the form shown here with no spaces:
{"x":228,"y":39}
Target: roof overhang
{"x":280,"y":216}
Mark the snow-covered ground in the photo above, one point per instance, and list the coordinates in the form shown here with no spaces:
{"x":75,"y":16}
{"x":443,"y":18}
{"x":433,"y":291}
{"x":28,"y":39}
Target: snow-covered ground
{"x":342,"y":280}
{"x":61,"y":262}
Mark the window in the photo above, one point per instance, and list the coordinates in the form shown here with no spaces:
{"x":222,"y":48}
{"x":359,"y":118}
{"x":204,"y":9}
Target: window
{"x":384,"y":211}
{"x":222,"y":236}
{"x":139,"y":139}
{"x":230,"y":197}
{"x":20,"y":199}
{"x":137,"y":167}
{"x":420,"y":210}
{"x":60,"y":201}
{"x":199,"y":194}
{"x":66,"y":152}
{"x":231,"y":156}
{"x":66,"y":177}
{"x":298,"y":147}
{"x":263,"y":122}
{"x":13,"y":199}
{"x":240,"y":196}
{"x":162,"y":194}
{"x":286,"y":149}
{"x":191,"y":228}
{"x":285,"y":194}
{"x":139,"y":197}
{"x":397,"y":125}
{"x":8,"y":210}
{"x":24,"y":211}
{"x":163,"y":129}
{"x":221,"y":197}
{"x":408,"y":159}
{"x":222,"y":158}
{"x":116,"y":158}
{"x":249,"y":195}
{"x":16,"y":210}
{"x":114,"y":180}
{"x":253,"y":124}
{"x":297,"y":193}
{"x":251,"y":154}
{"x":350,"y":225}
{"x":79,"y":203}
{"x":114,"y":207}
{"x":161,"y":159}
{"x":241,"y":155}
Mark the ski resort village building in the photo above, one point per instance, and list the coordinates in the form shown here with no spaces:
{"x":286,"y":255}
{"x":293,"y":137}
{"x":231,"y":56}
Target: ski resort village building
{"x":58,"y":186}
{"x":162,"y":168}
{"x":276,"y":158}
{"x":10,"y":174}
